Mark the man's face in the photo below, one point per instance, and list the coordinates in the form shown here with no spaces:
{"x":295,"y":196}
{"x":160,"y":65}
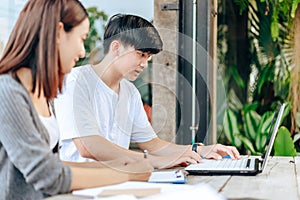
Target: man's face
{"x":133,"y":62}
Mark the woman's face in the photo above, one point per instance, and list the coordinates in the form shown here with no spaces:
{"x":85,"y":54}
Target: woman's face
{"x":71,"y":45}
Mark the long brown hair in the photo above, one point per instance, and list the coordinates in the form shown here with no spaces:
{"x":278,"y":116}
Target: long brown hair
{"x":32,"y":43}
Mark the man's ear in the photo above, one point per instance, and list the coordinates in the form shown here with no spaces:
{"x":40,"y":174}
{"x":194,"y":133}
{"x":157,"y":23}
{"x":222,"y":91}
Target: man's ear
{"x":115,"y":47}
{"x":60,"y":31}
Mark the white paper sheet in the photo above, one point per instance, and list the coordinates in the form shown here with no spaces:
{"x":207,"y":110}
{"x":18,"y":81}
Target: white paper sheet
{"x":93,"y":192}
{"x":168,"y":191}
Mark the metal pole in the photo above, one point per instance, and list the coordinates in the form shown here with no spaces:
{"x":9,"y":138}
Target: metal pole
{"x":194,"y":126}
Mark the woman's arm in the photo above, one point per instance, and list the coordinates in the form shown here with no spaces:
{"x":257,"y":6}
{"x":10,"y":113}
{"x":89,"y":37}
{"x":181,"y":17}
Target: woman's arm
{"x":94,"y":177}
{"x":99,"y":148}
{"x":84,"y":177}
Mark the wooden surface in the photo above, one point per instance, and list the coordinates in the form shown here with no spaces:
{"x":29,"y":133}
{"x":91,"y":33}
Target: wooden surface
{"x":280,"y":180}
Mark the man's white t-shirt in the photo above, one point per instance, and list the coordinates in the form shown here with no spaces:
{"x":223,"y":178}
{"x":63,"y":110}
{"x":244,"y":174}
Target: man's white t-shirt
{"x":89,"y":107}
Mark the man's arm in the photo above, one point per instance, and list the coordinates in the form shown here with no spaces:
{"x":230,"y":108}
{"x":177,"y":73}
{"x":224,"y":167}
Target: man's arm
{"x":162,"y":154}
{"x":166,"y":154}
{"x":177,"y":154}
{"x":100,"y":149}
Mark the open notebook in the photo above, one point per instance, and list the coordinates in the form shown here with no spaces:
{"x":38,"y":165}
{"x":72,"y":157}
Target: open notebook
{"x":244,"y":166}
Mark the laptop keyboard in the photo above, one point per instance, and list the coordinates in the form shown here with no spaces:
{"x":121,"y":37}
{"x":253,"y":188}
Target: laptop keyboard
{"x":228,"y":163}
{"x":243,"y":163}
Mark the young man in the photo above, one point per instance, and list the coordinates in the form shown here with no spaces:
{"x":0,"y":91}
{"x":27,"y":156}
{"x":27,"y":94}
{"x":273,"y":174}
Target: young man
{"x":100,"y":112}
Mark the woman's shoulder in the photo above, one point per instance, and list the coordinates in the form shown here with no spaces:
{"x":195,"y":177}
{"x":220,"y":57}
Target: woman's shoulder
{"x":7,"y":83}
{"x":11,"y":90}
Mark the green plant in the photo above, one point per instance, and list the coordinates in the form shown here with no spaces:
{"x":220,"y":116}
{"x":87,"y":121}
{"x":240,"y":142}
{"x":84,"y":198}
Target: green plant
{"x":256,"y":74}
{"x":276,"y":10}
{"x":92,"y":47}
{"x":284,"y":145}
{"x":255,"y":131}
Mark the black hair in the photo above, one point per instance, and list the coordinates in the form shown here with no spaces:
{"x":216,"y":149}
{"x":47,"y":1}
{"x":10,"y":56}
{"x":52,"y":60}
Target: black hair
{"x":133,"y":31}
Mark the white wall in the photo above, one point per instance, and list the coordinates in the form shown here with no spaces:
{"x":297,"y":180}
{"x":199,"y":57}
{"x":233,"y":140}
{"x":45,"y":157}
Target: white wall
{"x":9,"y":12}
{"x":10,"y":9}
{"x":143,"y":8}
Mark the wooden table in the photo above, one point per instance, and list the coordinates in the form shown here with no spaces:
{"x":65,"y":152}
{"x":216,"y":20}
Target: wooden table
{"x":280,"y":180}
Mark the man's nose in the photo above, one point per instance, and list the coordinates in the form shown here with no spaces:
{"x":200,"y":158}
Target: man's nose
{"x":82,"y":53}
{"x":144,"y":63}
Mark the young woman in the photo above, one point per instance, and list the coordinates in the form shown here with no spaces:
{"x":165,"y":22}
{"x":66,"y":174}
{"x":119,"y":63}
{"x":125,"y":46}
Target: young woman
{"x":45,"y":44}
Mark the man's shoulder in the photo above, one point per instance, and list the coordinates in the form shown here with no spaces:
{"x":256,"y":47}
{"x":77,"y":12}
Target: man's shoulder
{"x":129,"y":90}
{"x":126,"y":84}
{"x":81,"y":76}
{"x":80,"y":70}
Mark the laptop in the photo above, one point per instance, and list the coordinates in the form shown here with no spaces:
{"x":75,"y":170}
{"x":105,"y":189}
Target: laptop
{"x":247,"y":165}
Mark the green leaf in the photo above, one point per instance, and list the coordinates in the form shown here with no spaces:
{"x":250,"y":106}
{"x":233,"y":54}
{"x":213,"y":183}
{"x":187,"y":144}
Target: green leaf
{"x":231,"y":128}
{"x":264,"y":130}
{"x":243,"y":5}
{"x":275,"y":30}
{"x":267,"y":75}
{"x":261,"y":141}
{"x":284,"y":145}
{"x":251,"y":106}
{"x":286,"y":110}
{"x":247,"y":143}
{"x":237,"y":77}
{"x":294,"y":7}
{"x":266,"y":122}
{"x":296,"y":137}
{"x":251,"y":123}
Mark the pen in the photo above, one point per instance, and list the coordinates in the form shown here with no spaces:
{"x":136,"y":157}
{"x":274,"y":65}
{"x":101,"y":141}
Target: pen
{"x":145,"y":153}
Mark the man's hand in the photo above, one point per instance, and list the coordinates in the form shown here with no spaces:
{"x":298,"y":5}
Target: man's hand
{"x":217,"y":151}
{"x":177,"y":157}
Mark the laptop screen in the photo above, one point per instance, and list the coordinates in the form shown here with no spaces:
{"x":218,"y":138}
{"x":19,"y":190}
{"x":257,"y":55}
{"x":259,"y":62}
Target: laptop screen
{"x":265,"y":148}
{"x":273,"y":129}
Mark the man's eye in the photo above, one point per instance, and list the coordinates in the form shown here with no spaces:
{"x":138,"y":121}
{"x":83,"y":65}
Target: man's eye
{"x":144,"y":55}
